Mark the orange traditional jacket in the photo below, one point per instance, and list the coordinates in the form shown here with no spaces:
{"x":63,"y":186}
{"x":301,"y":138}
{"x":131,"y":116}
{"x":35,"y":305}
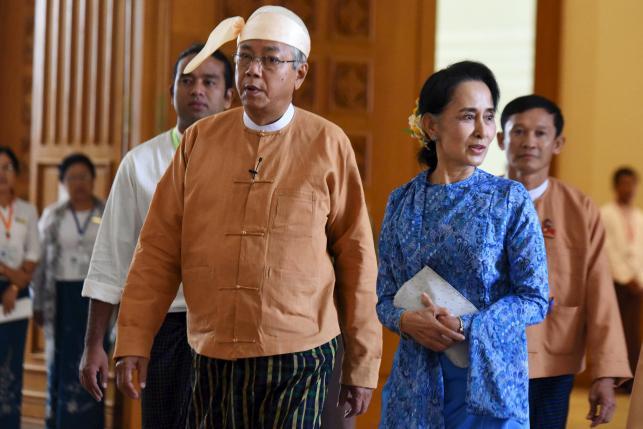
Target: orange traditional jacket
{"x":635,"y":418}
{"x":276,"y":263}
{"x":584,"y":318}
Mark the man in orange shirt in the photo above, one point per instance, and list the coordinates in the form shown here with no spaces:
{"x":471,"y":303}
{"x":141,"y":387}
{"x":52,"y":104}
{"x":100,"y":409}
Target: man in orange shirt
{"x":262,"y":216}
{"x":583,"y":317}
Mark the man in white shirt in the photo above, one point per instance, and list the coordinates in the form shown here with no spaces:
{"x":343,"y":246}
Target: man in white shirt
{"x":205,"y":91}
{"x":624,"y":229}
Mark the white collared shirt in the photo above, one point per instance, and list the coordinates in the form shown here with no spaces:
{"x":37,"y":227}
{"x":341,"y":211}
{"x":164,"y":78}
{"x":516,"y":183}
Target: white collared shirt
{"x":21,"y":243}
{"x":624,"y":241}
{"x":275,"y":126}
{"x":125,"y":211}
{"x":538,"y":191}
{"x":75,"y":249}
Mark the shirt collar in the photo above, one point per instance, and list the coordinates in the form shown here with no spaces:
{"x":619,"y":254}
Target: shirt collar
{"x":538,"y":191}
{"x":275,"y":126}
{"x":176,"y":136}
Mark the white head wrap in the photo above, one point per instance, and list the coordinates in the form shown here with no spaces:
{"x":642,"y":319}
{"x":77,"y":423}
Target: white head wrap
{"x":274,"y":23}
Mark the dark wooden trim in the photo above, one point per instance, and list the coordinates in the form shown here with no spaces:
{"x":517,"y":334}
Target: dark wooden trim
{"x":548,"y":51}
{"x":426,"y":27}
{"x":548,"y":41}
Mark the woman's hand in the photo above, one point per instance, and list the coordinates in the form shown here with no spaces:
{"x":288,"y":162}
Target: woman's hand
{"x":20,"y":276}
{"x":425,"y":328}
{"x":451,"y":322}
{"x":9,"y":299}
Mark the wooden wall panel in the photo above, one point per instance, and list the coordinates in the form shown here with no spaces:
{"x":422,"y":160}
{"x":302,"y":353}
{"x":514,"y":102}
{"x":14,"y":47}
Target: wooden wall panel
{"x":547,"y":65}
{"x":16,"y":45}
{"x":368,"y":60}
{"x":87,"y":76}
{"x":85,"y":97}
{"x":548,"y":45}
{"x":102,"y":70}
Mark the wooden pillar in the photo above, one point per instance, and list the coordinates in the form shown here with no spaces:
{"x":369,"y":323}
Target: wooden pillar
{"x":548,"y":47}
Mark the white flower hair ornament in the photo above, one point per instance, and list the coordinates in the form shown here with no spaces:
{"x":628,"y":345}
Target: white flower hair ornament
{"x":415,"y":126}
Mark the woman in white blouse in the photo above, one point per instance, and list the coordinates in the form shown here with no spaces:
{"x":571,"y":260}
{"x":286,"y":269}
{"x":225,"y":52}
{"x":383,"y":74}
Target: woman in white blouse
{"x":19,"y":252}
{"x":68,"y":230}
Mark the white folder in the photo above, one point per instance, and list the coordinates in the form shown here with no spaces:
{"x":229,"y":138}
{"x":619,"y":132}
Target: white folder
{"x":443,"y":295}
{"x":22,"y":310}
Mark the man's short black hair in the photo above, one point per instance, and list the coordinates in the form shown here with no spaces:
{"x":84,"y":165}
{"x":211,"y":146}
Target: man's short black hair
{"x":623,"y":172}
{"x":528,"y":102}
{"x":217,"y":55}
{"x":73,"y":159}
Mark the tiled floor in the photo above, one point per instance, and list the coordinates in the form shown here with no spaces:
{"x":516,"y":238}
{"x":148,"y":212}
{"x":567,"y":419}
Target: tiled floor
{"x":31,"y":424}
{"x":579,"y":407}
{"x":578,"y":410}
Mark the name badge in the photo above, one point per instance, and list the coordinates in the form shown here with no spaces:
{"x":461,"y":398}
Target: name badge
{"x":549,"y":231}
{"x":7,"y":254}
{"x":79,"y":263}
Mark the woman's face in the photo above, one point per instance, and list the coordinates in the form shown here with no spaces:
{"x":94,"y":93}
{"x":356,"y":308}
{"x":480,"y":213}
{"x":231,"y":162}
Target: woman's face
{"x":79,"y":182}
{"x":465,"y":128}
{"x":7,"y":174}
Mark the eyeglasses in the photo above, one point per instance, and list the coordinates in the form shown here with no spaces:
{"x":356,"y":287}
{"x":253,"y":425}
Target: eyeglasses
{"x":268,"y":62}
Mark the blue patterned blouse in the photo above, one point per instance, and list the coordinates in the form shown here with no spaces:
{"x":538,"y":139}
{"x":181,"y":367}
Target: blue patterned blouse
{"x":483,"y":236}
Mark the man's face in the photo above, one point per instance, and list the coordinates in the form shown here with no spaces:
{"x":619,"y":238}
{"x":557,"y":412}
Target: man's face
{"x":626,"y":189}
{"x":530,"y":141}
{"x":200,"y":93}
{"x":266,"y":92}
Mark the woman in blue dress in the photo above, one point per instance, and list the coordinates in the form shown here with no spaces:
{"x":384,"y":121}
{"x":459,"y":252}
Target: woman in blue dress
{"x":482,"y":235}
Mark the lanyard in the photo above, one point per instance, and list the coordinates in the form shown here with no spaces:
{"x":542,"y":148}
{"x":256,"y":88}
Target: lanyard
{"x":176,"y":140}
{"x":83,"y":229}
{"x":7,"y":222}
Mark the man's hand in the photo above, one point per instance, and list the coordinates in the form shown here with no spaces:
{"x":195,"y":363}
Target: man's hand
{"x":601,"y":395}
{"x":124,"y":369}
{"x":94,"y":369}
{"x":358,"y":399}
{"x":9,"y":299}
{"x":94,"y":361}
{"x":426,"y":329}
